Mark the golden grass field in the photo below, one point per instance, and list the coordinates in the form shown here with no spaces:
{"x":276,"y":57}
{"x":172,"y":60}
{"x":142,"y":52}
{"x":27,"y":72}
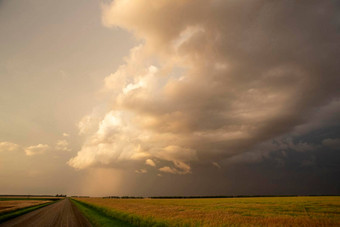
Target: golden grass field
{"x":257,"y":211}
{"x":11,"y":205}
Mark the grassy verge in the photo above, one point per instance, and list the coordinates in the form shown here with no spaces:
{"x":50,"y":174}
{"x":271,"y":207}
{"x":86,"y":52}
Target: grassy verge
{"x":12,"y":214}
{"x":100,"y":216}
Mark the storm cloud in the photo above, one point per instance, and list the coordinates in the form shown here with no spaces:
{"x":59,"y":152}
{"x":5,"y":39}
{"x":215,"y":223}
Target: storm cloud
{"x":217,"y":82}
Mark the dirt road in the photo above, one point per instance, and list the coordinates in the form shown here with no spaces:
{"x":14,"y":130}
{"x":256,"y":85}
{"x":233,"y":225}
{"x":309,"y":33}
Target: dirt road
{"x":62,"y":213}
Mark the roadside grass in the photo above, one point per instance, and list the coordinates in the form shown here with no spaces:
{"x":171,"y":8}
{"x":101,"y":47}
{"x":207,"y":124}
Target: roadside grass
{"x":265,"y":211}
{"x":99,"y":216}
{"x":15,"y":213}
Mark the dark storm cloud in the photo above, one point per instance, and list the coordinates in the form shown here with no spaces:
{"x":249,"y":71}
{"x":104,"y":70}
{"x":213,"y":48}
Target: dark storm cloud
{"x":223,"y":84}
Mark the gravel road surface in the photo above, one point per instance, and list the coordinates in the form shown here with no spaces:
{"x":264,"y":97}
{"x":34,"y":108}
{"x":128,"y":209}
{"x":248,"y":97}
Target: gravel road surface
{"x":62,"y":213}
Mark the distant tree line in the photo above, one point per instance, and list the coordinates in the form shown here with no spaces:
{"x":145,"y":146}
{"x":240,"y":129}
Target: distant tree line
{"x":80,"y":196}
{"x":123,"y":197}
{"x":60,"y":195}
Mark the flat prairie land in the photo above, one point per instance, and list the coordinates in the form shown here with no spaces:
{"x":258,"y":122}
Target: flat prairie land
{"x":255,"y":211}
{"x":4,"y":198}
{"x":11,"y":205}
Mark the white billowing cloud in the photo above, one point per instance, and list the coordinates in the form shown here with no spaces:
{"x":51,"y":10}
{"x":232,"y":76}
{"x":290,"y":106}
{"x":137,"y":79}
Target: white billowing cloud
{"x":116,"y":139}
{"x":88,"y":124}
{"x":36,"y":149}
{"x":8,"y":146}
{"x":212,"y":80}
{"x":62,"y":145}
{"x":150,"y":162}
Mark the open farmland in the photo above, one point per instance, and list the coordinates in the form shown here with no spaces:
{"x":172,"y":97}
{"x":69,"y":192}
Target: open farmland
{"x":273,"y":211}
{"x":11,"y":205}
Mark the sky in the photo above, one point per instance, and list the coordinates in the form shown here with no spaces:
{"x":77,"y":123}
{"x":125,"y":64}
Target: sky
{"x":169,"y":97}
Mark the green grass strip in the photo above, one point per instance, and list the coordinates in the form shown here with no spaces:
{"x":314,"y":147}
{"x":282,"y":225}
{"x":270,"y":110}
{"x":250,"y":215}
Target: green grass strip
{"x":15,"y":213}
{"x":99,"y":218}
{"x":127,"y":219}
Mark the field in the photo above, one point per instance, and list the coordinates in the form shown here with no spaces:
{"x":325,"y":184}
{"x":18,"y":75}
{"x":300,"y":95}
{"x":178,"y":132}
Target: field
{"x":11,"y":205}
{"x":257,"y":211}
{"x":14,"y":206}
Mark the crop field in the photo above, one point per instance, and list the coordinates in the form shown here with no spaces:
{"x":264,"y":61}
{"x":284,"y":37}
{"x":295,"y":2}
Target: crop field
{"x":11,"y":205}
{"x":256,"y":211}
